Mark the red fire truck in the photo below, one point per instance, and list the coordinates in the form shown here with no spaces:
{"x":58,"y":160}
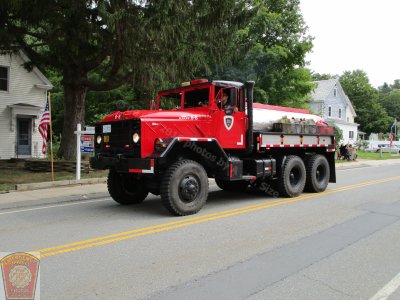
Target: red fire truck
{"x":212,"y":129}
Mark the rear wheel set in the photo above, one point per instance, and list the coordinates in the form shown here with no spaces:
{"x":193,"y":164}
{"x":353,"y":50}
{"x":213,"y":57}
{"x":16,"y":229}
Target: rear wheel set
{"x":296,"y":176}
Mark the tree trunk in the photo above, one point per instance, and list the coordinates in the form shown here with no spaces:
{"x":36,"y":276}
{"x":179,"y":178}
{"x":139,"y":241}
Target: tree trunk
{"x":74,"y":113}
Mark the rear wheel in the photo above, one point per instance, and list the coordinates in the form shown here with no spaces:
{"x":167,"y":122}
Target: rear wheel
{"x":125,"y":188}
{"x":234,"y":186}
{"x":317,"y":174}
{"x":293,"y":177}
{"x":184,"y":188}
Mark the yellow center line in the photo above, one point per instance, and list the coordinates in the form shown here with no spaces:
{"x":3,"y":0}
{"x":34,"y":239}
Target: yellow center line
{"x":112,"y":238}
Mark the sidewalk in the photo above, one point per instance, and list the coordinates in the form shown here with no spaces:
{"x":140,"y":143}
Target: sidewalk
{"x":367,"y":163}
{"x":15,"y":199}
{"x":84,"y":191}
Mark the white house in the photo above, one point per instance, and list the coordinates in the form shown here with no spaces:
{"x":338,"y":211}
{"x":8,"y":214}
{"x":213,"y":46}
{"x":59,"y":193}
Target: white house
{"x":330,"y":102}
{"x":22,"y":100}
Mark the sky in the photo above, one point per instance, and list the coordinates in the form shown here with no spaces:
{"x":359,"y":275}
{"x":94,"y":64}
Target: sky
{"x":354,"y":34}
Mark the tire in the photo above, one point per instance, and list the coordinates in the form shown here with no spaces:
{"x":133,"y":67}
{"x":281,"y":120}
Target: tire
{"x":318,"y":173}
{"x":232,"y":186}
{"x":125,"y":188}
{"x":184,"y":188}
{"x":293,"y":177}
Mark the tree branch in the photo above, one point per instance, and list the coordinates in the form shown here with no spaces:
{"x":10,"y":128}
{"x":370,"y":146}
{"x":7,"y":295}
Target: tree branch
{"x":110,"y":84}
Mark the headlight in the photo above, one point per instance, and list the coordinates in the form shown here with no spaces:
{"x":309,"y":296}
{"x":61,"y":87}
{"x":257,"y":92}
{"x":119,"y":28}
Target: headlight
{"x":98,"y":139}
{"x":135,"y":137}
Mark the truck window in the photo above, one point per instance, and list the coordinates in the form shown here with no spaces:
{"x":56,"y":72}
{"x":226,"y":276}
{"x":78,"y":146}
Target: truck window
{"x":197,"y":98}
{"x":220,"y":92}
{"x":170,"y":101}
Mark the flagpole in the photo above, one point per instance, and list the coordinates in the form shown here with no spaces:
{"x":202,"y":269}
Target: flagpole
{"x":51,"y":139}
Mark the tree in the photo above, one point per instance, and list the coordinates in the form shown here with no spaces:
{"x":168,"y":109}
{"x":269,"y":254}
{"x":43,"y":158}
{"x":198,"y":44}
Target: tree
{"x":274,"y":45}
{"x":391,"y":103}
{"x":317,"y":76}
{"x":396,"y":85}
{"x":338,"y":134}
{"x":98,"y":45}
{"x":370,"y":114}
{"x":384,"y":89}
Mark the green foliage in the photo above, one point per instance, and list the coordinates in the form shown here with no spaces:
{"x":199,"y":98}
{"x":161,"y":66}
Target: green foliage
{"x":370,"y":114}
{"x":101,"y":55}
{"x":102,"y":45}
{"x":391,"y":103}
{"x":385,"y":89}
{"x":317,"y":76}
{"x":338,"y":135}
{"x":396,"y":85}
{"x":273,"y":47}
{"x":389,"y":98}
{"x":98,"y":104}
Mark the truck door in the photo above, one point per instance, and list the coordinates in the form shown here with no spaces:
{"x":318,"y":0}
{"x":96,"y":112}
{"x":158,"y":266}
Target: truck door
{"x":230,"y":118}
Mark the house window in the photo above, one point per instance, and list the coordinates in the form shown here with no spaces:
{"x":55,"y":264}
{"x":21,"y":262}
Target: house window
{"x":340,"y":113}
{"x":3,"y":79}
{"x":335,"y":92}
{"x":329,"y":111}
{"x":351,"y":134}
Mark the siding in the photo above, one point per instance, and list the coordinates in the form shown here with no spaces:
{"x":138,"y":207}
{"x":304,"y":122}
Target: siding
{"x":336,"y":102}
{"x":349,"y":115}
{"x":346,"y":128}
{"x":325,"y":92}
{"x":21,"y":90}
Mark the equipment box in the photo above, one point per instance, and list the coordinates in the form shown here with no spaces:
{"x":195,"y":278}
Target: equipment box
{"x":286,"y":127}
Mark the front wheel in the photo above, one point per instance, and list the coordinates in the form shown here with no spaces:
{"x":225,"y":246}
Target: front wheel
{"x":293,"y":177}
{"x":125,"y":188}
{"x":184,"y":188}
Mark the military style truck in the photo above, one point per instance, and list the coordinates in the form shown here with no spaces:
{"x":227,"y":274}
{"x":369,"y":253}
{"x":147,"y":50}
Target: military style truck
{"x":212,"y":129}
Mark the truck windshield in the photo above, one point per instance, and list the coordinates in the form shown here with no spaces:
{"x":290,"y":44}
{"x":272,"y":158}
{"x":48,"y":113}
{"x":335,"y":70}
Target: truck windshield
{"x":197,"y":98}
{"x":192,"y":98}
{"x":170,"y":101}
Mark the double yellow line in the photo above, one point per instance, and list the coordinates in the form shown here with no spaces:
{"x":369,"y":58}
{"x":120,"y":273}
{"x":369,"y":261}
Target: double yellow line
{"x":117,"y":237}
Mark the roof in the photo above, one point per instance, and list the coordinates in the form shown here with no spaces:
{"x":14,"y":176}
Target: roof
{"x":46,"y":83}
{"x":24,"y":105}
{"x":323,"y":88}
{"x":351,"y":106}
{"x":207,"y":82}
{"x":228,"y":83}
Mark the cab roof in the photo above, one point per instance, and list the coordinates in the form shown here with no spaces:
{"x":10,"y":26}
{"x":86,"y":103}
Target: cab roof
{"x":204,"y":83}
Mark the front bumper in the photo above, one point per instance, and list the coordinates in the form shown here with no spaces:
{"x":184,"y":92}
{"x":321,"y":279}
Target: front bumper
{"x":123,"y":164}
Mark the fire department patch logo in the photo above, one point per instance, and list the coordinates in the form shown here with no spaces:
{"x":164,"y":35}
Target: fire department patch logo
{"x":228,"y":122}
{"x":20,"y":275}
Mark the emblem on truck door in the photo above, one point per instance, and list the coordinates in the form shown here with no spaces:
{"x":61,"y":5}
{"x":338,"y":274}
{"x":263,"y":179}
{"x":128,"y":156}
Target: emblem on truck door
{"x":228,"y":122}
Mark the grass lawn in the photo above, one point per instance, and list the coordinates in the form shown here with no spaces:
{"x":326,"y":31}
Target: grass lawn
{"x":9,"y":178}
{"x":374,"y":155}
{"x":370,"y":155}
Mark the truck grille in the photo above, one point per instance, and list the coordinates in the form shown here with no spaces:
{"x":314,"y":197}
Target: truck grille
{"x":120,"y":138}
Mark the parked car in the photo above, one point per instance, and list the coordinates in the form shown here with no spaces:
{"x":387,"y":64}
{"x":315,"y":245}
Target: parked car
{"x":385,"y":148}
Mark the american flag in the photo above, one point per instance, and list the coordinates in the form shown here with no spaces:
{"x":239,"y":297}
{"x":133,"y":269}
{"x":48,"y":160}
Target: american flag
{"x":44,"y":124}
{"x":392,"y":132}
{"x":391,"y":139}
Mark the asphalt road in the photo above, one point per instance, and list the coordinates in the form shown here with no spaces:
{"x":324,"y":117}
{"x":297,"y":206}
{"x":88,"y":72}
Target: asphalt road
{"x":341,"y":244}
